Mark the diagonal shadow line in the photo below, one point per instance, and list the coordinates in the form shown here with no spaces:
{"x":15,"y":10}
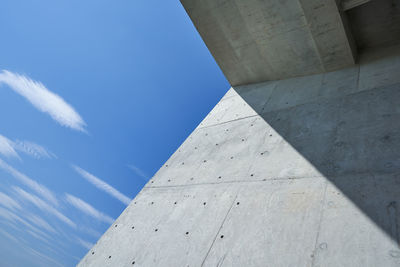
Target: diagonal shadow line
{"x":354,"y":141}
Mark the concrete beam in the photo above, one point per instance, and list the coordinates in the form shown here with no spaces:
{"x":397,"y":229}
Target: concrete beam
{"x":255,"y":41}
{"x":349,"y":4}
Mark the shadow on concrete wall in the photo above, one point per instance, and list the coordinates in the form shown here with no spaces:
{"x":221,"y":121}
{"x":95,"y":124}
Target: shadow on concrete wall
{"x":354,"y":141}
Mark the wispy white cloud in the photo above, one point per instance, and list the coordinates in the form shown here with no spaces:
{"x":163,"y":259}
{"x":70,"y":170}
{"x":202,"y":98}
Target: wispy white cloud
{"x":39,"y":237}
{"x":43,"y":206}
{"x":14,"y":218}
{"x":90,"y":231}
{"x":8,"y":202}
{"x":9,"y":236}
{"x":27,"y":249}
{"x":11,"y":216}
{"x":35,"y":186}
{"x":84,"y":243}
{"x":44,"y":258}
{"x":138,"y":171}
{"x":88,"y":209}
{"x":44,"y":100}
{"x":32,"y":149}
{"x":7,"y":148}
{"x":100,"y":184}
{"x":40,"y":222}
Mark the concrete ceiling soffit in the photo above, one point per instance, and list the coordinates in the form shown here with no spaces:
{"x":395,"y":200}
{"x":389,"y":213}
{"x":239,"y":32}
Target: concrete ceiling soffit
{"x":255,"y":41}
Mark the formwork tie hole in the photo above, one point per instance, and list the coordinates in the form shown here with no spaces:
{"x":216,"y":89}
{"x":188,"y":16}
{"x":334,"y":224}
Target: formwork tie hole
{"x":204,"y":203}
{"x":222,"y":236}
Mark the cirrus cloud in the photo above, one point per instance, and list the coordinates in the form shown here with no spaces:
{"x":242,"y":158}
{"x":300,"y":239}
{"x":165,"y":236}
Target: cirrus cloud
{"x":32,"y":184}
{"x":44,"y":100}
{"x":32,"y":149}
{"x":100,"y":184}
{"x":88,"y":209}
{"x":7,"y":148}
{"x":41,"y":204}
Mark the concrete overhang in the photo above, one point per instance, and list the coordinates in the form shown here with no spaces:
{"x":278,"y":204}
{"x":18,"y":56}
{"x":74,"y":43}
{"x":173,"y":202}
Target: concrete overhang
{"x":255,"y":41}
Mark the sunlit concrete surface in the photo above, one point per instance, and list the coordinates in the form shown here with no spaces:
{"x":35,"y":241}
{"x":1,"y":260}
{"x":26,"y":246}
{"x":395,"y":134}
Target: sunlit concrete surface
{"x":296,"y":172}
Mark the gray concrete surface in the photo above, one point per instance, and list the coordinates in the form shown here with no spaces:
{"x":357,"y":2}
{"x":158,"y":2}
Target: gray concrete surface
{"x":349,"y":4}
{"x":376,"y":23}
{"x":255,"y":41}
{"x":296,"y":172}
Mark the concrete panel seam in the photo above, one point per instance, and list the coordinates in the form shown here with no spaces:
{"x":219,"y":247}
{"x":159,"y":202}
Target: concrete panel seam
{"x":270,"y":95}
{"x":313,"y":39}
{"x":219,"y":230}
{"x":299,"y":105}
{"x":238,"y":182}
{"x":327,"y":97}
{"x":358,"y":77}
{"x":208,"y":126}
{"x":319,"y":225}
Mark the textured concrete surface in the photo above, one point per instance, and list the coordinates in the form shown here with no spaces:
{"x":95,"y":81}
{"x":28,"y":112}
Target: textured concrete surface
{"x":255,"y":41}
{"x":296,"y":172}
{"x":349,"y":4}
{"x":376,"y":23}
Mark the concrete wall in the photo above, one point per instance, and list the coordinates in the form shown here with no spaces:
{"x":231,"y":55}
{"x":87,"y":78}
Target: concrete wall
{"x":297,"y":172}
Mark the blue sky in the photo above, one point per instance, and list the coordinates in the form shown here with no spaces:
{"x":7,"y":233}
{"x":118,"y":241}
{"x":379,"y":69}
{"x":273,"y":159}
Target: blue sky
{"x":94,"y":98}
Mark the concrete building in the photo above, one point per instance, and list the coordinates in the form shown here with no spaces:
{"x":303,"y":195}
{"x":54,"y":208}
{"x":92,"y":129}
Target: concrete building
{"x":299,"y":163}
